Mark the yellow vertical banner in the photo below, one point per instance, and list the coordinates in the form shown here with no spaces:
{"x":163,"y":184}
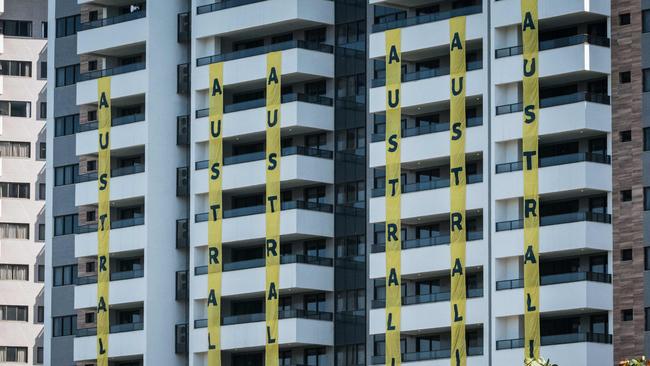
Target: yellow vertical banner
{"x":393,"y":196}
{"x":104,"y":214}
{"x":272,"y":250}
{"x":529,"y":31}
{"x":457,"y":188}
{"x":215,"y":214}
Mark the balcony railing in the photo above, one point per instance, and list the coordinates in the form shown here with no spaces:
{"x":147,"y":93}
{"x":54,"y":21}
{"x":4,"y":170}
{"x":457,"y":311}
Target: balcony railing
{"x":557,"y":219}
{"x":428,"y":355}
{"x":115,"y":276}
{"x":182,"y":239}
{"x":557,"y":100}
{"x":428,"y":298}
{"x":426,"y":129}
{"x":551,"y":340}
{"x":556,"y":43}
{"x":428,"y":242}
{"x":112,"y":20}
{"x":259,"y":103}
{"x":96,"y":74}
{"x":260,"y":317}
{"x":260,"y":209}
{"x":557,"y":160}
{"x":426,"y":186}
{"x":117,"y":328}
{"x":224,"y":4}
{"x":261,"y":155}
{"x":260,"y":262}
{"x":117,"y":172}
{"x":118,"y":121}
{"x":262,"y":50}
{"x":427,"y":74}
{"x":428,"y":18}
{"x":557,"y":279}
{"x":116,"y":224}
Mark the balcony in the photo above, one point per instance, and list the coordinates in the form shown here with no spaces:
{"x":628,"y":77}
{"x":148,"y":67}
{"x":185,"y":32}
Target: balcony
{"x":508,"y":12}
{"x":579,"y":349}
{"x":557,"y":220}
{"x":555,"y":43}
{"x":121,"y":138}
{"x":115,"y":276}
{"x":126,"y":235}
{"x":428,"y":242}
{"x":124,"y":291}
{"x":127,"y":182}
{"x":261,"y":262}
{"x":122,"y":344}
{"x":235,"y":17}
{"x":110,"y":33}
{"x":260,"y":317}
{"x":428,"y":298}
{"x":426,"y":186}
{"x":557,"y":101}
{"x":300,"y":112}
{"x":427,"y":129}
{"x":557,"y":160}
{"x":411,"y":358}
{"x":259,"y":103}
{"x":116,"y":328}
{"x":127,"y":81}
{"x":426,"y":74}
{"x":97,"y":74}
{"x":557,"y":279}
{"x":427,"y":31}
{"x":254,"y":210}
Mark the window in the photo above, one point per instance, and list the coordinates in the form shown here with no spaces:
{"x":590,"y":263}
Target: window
{"x":89,"y":318}
{"x":14,"y":108}
{"x":41,"y":191}
{"x":14,"y":231}
{"x":14,"y":190}
{"x":67,"y":75}
{"x":66,"y":174}
{"x":66,"y":125}
{"x":64,"y":325}
{"x":645,"y":21}
{"x":626,"y":136}
{"x":39,"y":352}
{"x":43,"y":73}
{"x":65,"y":224}
{"x":626,"y":254}
{"x":16,"y":28}
{"x":13,"y":354}
{"x":15,"y":68}
{"x":42,"y":150}
{"x":646,"y":198}
{"x":41,"y":232}
{"x":15,"y":149}
{"x":13,"y":313}
{"x":90,"y":216}
{"x":646,"y":139}
{"x":624,"y":19}
{"x":44,"y":29}
{"x":64,"y":275}
{"x":90,"y":267}
{"x":42,"y":113}
{"x":14,"y":272}
{"x":626,"y":195}
{"x":624,"y":77}
{"x":67,"y":26}
{"x":40,"y":276}
{"x":627,"y":315}
{"x":647,"y":310}
{"x":40,"y":314}
{"x":91,"y":165}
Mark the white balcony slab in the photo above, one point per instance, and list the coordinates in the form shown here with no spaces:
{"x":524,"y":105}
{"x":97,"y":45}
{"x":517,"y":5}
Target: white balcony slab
{"x":123,"y":187}
{"x":112,"y":36}
{"x":121,"y":345}
{"x":574,"y":354}
{"x":508,"y":12}
{"x":120,"y":292}
{"x":122,"y":85}
{"x":122,"y":240}
{"x":122,"y":137}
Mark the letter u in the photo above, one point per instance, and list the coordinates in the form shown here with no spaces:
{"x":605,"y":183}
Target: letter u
{"x":460,"y":86}
{"x":216,"y":133}
{"x":393,"y":103}
{"x":103,"y":144}
{"x":531,"y":72}
{"x":269,"y":122}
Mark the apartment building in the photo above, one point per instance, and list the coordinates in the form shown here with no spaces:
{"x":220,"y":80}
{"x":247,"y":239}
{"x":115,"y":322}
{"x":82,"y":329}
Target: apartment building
{"x":23,"y":75}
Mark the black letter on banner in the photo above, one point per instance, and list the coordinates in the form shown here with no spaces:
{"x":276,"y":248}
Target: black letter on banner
{"x":393,"y":56}
{"x":216,"y":133}
{"x":460,"y":86}
{"x":103,"y":144}
{"x":102,"y":219}
{"x":271,"y":200}
{"x":212,"y":298}
{"x":101,"y":346}
{"x":271,"y":247}
{"x":457,"y":357}
{"x":529,"y":158}
{"x":103,"y":181}
{"x":456,"y":172}
{"x":213,"y":255}
{"x":456,"y":221}
{"x":389,"y":323}
{"x":392,"y":362}
{"x":215,"y":211}
{"x":273,"y":294}
{"x":273,"y":162}
{"x":392,"y":141}
{"x":101,"y":306}
{"x":268,"y":336}
{"x":392,"y":232}
{"x":210,"y":345}
{"x":530,"y":256}
{"x":455,"y":43}
{"x":529,"y":304}
{"x":102,"y":263}
{"x":531,"y":348}
{"x":531,"y":72}
{"x":216,"y":88}
{"x":215,"y":171}
{"x":392,"y":278}
{"x":393,"y":184}
{"x":458,"y":268}
{"x":273,"y":122}
{"x":103,"y":101}
{"x":457,"y":318}
{"x":529,"y":112}
{"x":458,"y":133}
{"x":530,"y":207}
{"x":393,"y":103}
{"x":273,"y":77}
{"x":528,"y":22}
